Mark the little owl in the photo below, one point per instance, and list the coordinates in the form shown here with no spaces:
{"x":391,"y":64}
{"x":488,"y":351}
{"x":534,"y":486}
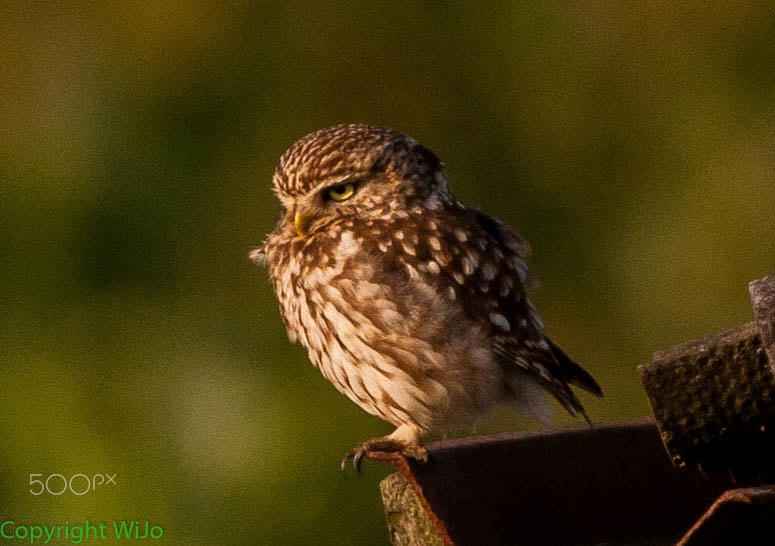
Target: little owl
{"x":412,"y":304}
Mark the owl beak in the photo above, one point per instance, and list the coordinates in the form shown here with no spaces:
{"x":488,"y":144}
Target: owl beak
{"x":300,"y":222}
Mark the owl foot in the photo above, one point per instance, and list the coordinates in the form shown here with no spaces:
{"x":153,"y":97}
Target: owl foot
{"x":408,"y":449}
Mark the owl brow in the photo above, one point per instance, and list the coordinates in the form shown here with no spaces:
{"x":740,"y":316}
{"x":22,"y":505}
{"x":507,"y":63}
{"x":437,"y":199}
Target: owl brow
{"x":335,"y":181}
{"x":328,"y":181}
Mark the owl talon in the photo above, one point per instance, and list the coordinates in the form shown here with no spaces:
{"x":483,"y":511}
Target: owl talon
{"x":356,"y":454}
{"x":358,"y":459}
{"x":416,"y":452}
{"x":389,"y":445}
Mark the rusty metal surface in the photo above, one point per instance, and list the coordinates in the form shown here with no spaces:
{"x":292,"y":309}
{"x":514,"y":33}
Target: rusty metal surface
{"x":739,"y":516}
{"x":612,"y":483}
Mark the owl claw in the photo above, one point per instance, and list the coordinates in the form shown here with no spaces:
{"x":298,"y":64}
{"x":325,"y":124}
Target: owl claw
{"x":356,"y":454}
{"x":384,"y":444}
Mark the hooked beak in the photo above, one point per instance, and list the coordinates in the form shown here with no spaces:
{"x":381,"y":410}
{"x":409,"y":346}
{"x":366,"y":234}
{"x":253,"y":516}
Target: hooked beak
{"x":300,"y":222}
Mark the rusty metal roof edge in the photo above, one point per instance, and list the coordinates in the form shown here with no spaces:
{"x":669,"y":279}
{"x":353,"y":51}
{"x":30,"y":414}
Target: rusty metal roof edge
{"x":744,"y":495}
{"x":403,"y":465}
{"x":400,"y":463}
{"x":506,"y":437}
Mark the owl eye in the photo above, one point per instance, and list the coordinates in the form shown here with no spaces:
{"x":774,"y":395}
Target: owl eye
{"x":341,"y":192}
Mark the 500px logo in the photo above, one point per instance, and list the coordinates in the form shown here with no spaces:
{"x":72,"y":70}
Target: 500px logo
{"x":56,"y":484}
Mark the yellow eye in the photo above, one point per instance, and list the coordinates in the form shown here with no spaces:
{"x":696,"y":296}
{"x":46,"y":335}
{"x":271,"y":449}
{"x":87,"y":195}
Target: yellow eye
{"x":341,"y":192}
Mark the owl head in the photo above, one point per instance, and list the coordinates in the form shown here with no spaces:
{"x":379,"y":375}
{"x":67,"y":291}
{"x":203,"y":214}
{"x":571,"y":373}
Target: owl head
{"x":355,"y":170}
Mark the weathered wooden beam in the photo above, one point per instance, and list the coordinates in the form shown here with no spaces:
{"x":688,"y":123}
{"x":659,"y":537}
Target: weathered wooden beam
{"x":714,"y":398}
{"x":611,"y":483}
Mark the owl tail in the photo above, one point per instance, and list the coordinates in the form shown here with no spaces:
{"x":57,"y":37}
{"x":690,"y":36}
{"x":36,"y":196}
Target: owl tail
{"x":574,"y":374}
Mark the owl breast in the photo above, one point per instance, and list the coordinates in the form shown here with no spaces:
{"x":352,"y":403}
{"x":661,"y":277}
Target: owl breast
{"x":380,"y":327}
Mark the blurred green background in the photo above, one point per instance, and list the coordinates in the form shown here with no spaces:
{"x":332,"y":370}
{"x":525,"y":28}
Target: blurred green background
{"x":630,"y":143}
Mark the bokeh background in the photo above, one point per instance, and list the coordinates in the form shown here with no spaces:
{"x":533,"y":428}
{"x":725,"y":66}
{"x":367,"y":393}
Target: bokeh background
{"x":631,"y":143}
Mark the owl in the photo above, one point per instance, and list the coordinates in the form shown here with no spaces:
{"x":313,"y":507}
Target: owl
{"x":410,"y":303}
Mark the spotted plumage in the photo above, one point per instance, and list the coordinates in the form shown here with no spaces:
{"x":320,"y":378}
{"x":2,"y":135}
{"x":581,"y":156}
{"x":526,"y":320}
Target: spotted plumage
{"x":408,"y":302}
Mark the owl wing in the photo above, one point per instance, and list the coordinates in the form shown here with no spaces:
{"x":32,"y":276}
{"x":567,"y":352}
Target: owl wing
{"x":574,"y":374}
{"x":495,"y":293}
